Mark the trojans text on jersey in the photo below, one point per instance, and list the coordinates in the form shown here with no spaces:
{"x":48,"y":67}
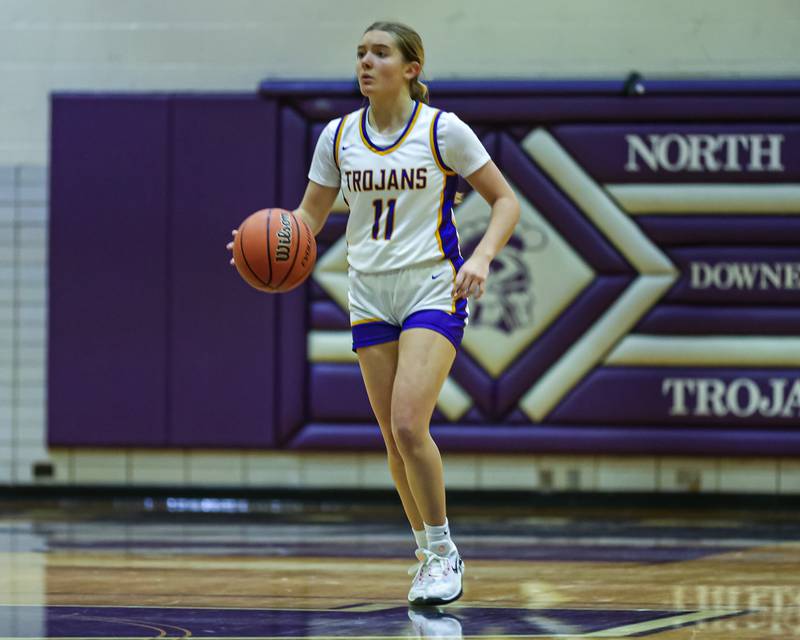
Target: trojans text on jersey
{"x":386,"y":179}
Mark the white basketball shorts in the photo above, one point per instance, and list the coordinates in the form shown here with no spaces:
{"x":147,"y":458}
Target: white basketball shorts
{"x":382,"y":305}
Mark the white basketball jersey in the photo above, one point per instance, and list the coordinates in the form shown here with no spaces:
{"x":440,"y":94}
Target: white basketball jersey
{"x":400,"y":196}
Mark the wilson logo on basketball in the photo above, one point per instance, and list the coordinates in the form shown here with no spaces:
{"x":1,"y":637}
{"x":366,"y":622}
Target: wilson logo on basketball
{"x":284,"y":248}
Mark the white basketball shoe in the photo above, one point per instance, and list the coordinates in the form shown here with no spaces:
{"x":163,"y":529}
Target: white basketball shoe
{"x":416,"y":570}
{"x":438,"y":580}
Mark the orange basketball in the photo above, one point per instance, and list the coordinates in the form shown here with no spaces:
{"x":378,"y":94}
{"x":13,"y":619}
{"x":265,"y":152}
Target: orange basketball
{"x":274,"y":250}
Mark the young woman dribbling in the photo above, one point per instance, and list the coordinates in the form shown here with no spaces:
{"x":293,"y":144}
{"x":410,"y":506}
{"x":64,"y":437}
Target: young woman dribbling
{"x":397,"y":163}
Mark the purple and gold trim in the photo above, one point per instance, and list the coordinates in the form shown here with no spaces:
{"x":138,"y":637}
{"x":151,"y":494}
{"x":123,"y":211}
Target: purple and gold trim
{"x":460,"y":305}
{"x":385,"y":150}
{"x":446,"y":234}
{"x":358,"y":322}
{"x":437,"y":156}
{"x":450,"y":325}
{"x":367,"y":333}
{"x":337,"y":140}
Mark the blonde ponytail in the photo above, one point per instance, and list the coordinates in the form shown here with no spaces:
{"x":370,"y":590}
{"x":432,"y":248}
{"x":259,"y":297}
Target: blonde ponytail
{"x":419,"y":91}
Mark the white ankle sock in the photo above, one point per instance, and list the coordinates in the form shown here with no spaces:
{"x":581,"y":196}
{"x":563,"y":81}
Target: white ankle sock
{"x":422,"y":538}
{"x":439,"y":538}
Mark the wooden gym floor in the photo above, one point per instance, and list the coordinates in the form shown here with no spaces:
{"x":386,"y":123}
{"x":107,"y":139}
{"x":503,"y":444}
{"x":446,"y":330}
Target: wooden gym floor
{"x":179,"y":568}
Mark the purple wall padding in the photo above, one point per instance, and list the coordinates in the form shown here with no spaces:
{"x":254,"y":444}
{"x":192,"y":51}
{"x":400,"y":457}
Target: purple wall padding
{"x":333,"y":230}
{"x":602,"y":151}
{"x":333,"y":89}
{"x":728,"y":398}
{"x":684,"y":319}
{"x":290,"y":366}
{"x":746,"y":230}
{"x":155,"y":340}
{"x":573,"y":439}
{"x":735,"y":275}
{"x":107,"y":369}
{"x":223,"y":334}
{"x":570,"y":108}
{"x":327,"y":315}
{"x":336,"y":392}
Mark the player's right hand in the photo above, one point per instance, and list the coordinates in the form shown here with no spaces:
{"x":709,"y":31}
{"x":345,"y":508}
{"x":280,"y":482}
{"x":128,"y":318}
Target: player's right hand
{"x":229,"y":246}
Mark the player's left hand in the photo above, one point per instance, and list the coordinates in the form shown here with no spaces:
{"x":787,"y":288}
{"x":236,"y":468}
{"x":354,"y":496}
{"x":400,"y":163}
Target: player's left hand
{"x":229,"y":246}
{"x":471,"y":278}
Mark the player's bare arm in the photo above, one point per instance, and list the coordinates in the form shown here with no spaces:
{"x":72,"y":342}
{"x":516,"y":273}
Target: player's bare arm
{"x":316,"y":205}
{"x":490,"y":183}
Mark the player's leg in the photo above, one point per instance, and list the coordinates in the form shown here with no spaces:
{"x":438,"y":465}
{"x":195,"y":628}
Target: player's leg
{"x":424,"y":360}
{"x":378,"y":366}
{"x":375,"y":338}
{"x":432,"y":329}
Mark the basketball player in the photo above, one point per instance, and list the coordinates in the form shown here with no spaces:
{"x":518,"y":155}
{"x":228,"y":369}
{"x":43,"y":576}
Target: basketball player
{"x":397,"y":163}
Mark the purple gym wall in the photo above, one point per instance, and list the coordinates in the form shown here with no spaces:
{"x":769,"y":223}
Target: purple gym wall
{"x":647,"y":304}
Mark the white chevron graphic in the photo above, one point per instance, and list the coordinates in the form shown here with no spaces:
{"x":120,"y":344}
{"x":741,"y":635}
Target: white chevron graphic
{"x":706,"y":351}
{"x":715,"y":199}
{"x":656,"y":275}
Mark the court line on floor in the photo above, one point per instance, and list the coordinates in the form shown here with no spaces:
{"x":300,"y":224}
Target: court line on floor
{"x":663,"y":623}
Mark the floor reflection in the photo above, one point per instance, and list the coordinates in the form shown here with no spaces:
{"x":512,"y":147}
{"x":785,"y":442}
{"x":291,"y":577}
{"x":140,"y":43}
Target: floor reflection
{"x":358,"y":621}
{"x":435,"y":622}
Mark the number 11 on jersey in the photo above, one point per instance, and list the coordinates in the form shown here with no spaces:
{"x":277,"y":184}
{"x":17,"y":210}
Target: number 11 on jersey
{"x":378,"y":204}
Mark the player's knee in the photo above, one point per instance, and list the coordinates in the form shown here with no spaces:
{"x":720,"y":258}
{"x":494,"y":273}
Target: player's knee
{"x":406,"y":432}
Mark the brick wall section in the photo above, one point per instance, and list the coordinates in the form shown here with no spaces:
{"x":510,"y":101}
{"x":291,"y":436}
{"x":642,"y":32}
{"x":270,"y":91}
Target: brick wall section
{"x":23,"y":320}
